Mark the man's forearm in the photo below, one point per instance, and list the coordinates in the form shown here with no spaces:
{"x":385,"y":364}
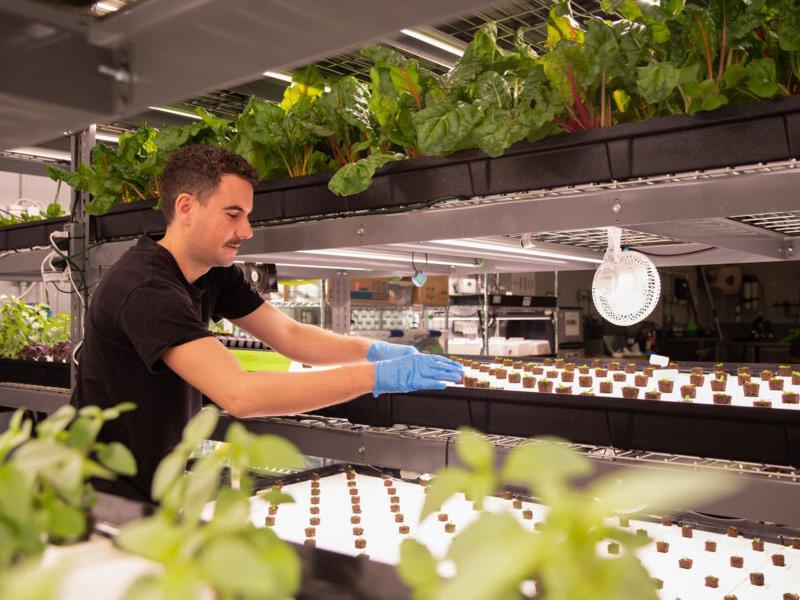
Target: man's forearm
{"x":261,"y":394}
{"x":316,"y":346}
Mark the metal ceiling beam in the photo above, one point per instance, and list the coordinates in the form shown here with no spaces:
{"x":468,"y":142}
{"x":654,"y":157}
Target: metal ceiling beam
{"x":61,"y":79}
{"x":728,"y":234}
{"x":704,"y":198}
{"x":234,"y":41}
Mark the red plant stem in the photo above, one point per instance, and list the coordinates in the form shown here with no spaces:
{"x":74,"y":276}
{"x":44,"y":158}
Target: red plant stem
{"x":603,"y":100}
{"x":576,"y":97}
{"x":412,"y":88}
{"x":709,"y":62}
{"x":723,"y":43}
{"x":337,"y":153}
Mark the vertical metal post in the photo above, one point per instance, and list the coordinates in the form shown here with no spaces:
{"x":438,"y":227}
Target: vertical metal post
{"x":322,"y":305}
{"x":555,"y":313}
{"x":81,"y":145}
{"x":447,"y":329}
{"x":485,"y":349}
{"x":340,"y":296}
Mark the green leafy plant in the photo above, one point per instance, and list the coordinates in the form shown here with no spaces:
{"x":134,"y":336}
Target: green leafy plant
{"x":29,"y":331}
{"x":495,"y":554}
{"x":45,"y":496}
{"x":227,"y":553}
{"x":52,"y":211}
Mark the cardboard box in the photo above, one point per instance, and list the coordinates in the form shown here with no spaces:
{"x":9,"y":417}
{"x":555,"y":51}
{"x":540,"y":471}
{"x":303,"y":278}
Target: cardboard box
{"x":369,"y":290}
{"x":433,"y":293}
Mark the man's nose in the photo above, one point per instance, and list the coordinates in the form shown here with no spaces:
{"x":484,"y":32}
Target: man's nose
{"x":246,"y":232}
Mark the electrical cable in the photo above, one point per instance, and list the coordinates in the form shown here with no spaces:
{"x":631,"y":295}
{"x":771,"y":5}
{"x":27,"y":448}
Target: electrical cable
{"x":676,"y":254}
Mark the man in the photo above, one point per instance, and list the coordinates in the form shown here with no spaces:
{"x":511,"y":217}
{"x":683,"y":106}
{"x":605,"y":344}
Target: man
{"x":147,"y":339}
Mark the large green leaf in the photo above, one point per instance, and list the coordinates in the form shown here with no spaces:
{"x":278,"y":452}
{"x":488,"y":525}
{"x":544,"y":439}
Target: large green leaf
{"x":152,"y":537}
{"x":200,"y":427}
{"x":417,"y":568}
{"x":446,"y":484}
{"x":443,"y":129}
{"x":356,"y":177}
{"x":117,"y":458}
{"x":169,"y":470}
{"x":658,"y":81}
{"x":474,"y":450}
{"x":637,"y":492}
{"x":493,"y":555}
{"x":201,"y":486}
{"x":762,"y":78}
{"x":542,"y":466}
{"x":629,"y":9}
{"x":65,"y":522}
{"x":234,"y":567}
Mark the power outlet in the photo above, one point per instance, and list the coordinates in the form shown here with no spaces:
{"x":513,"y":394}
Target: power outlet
{"x":55,"y":277}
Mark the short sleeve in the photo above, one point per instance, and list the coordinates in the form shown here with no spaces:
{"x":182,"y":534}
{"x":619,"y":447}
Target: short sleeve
{"x":236,"y":297}
{"x":156,"y":317}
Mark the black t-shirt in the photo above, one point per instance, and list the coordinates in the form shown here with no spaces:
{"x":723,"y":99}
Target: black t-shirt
{"x":142,"y":307}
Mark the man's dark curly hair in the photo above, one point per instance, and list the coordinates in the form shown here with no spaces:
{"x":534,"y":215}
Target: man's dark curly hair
{"x":198,"y":170}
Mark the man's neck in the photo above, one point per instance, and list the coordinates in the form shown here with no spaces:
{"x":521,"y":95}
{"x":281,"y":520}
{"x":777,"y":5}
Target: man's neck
{"x":191,"y":270}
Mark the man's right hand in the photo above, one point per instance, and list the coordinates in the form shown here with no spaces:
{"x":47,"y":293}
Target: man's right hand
{"x":415,"y":372}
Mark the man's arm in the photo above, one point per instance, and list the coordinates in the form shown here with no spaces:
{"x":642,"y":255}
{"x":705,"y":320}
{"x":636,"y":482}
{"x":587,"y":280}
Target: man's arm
{"x":303,"y":343}
{"x":209,"y":367}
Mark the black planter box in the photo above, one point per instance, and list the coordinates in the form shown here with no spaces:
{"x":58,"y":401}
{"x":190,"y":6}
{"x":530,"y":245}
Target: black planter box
{"x":128,"y":220}
{"x":35,"y":373}
{"x":731,"y":136}
{"x":27,"y":235}
{"x":759,"y":435}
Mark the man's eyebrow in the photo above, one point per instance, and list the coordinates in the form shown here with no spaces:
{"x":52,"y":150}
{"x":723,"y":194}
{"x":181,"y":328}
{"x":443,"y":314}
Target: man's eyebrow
{"x":234,"y":207}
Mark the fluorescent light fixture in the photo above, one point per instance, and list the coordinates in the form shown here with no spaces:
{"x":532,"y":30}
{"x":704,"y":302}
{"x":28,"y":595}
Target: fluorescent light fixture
{"x":432,"y":41}
{"x":35,"y":151}
{"x":387,"y":257}
{"x":285,"y":77}
{"x":106,"y":7}
{"x":107,"y":137}
{"x":321,"y":267}
{"x":485,"y":254}
{"x":175,"y":111}
{"x":279,"y":76}
{"x":513,"y":250}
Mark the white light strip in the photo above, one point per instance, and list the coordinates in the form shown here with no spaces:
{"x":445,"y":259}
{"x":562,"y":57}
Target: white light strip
{"x":106,"y":7}
{"x":432,"y":41}
{"x":418,"y":260}
{"x":513,"y":250}
{"x":175,"y":111}
{"x":279,"y":76}
{"x":42,"y":153}
{"x":321,"y":267}
{"x":107,"y":137}
{"x":485,"y":254}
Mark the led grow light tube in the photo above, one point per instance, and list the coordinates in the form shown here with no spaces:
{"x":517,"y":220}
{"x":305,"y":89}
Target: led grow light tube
{"x":387,"y":257}
{"x":513,"y":250}
{"x":432,"y":41}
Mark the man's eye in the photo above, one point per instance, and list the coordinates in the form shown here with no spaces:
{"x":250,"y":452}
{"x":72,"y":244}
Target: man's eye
{"x":233,"y":215}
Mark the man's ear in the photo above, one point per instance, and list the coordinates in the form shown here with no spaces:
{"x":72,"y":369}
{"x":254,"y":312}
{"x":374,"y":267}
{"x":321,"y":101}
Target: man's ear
{"x":184,"y":207}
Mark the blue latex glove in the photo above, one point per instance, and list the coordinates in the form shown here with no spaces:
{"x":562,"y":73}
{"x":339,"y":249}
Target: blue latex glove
{"x":415,"y":372}
{"x":386,"y":351}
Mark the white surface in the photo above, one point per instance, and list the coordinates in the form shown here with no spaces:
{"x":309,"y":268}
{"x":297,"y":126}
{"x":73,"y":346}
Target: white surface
{"x":383,"y":539}
{"x":704,"y":392}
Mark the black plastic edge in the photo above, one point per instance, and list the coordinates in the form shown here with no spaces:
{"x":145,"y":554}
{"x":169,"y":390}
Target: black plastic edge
{"x":35,"y":373}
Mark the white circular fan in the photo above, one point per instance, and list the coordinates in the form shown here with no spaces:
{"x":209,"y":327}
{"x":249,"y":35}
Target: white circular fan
{"x":626,"y":287}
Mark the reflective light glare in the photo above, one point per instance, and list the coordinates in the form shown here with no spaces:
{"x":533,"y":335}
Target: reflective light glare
{"x":106,"y":7}
{"x":175,"y":111}
{"x":514,"y":250}
{"x":387,"y":257}
{"x":321,"y":267}
{"x":432,"y":41}
{"x":107,"y":137}
{"x":42,"y":153}
{"x":279,"y":76}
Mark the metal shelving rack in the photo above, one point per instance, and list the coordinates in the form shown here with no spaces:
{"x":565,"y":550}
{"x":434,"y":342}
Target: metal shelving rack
{"x":117,"y":68}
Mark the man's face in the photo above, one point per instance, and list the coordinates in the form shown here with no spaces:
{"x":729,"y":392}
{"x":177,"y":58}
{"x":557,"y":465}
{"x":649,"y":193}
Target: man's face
{"x":219,"y":226}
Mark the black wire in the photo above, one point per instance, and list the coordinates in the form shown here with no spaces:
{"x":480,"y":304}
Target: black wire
{"x":676,"y":254}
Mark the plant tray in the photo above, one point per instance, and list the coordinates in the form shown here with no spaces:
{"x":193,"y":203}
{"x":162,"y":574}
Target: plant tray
{"x":35,"y":373}
{"x":28,"y":235}
{"x":751,"y":133}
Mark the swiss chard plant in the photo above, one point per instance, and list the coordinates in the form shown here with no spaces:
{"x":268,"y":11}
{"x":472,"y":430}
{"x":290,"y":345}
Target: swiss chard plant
{"x":45,"y":494}
{"x":224,"y":552}
{"x":495,"y":554}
